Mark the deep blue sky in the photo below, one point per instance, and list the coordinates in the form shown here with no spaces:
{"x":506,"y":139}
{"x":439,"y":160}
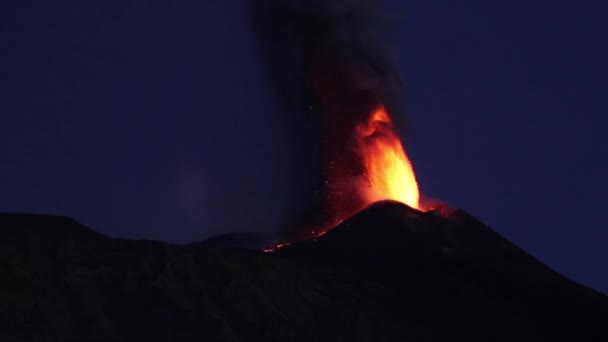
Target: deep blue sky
{"x":154,"y":119}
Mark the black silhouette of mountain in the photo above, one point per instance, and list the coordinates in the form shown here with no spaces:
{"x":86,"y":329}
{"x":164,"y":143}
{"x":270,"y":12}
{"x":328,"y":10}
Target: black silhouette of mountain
{"x":390,"y":273}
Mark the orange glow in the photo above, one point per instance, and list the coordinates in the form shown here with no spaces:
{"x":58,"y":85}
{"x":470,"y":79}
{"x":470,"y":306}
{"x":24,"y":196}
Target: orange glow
{"x":388,"y":169}
{"x":275,"y":247}
{"x":368,"y":165}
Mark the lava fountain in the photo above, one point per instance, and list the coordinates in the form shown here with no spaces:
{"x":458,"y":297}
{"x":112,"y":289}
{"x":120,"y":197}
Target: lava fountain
{"x":330,"y":65}
{"x":388,"y":170}
{"x":367,"y":164}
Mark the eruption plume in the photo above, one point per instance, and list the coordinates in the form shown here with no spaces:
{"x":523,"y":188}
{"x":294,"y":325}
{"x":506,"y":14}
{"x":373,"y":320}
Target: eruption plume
{"x":330,"y":67}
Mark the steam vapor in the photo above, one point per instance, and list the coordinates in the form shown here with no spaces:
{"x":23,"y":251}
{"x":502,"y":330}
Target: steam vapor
{"x":330,"y":68}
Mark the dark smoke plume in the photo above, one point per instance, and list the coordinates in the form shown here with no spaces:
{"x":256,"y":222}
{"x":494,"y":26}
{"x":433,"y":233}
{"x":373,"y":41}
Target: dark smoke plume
{"x":330,"y":68}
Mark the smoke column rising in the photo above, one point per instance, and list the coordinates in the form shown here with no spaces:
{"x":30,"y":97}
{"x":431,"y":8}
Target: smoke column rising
{"x":330,"y":69}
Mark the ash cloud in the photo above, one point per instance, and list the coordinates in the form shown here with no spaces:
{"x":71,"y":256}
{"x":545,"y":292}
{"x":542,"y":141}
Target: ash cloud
{"x":330,"y":66}
{"x":312,"y":45}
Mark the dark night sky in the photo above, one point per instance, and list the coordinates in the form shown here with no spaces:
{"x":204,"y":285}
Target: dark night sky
{"x":153,"y":119}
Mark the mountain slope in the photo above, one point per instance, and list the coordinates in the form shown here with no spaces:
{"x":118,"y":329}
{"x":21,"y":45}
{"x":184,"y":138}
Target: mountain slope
{"x":388,"y":274}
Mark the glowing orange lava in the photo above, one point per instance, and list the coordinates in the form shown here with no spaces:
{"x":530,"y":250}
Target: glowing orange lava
{"x":388,"y":170}
{"x":275,"y":247}
{"x":383,"y":172}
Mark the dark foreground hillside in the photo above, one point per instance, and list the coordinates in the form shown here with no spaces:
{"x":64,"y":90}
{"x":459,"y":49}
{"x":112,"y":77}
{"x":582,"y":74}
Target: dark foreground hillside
{"x":388,"y":274}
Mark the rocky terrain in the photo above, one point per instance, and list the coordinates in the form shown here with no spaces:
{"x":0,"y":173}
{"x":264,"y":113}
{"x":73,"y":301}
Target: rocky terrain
{"x":390,"y":273}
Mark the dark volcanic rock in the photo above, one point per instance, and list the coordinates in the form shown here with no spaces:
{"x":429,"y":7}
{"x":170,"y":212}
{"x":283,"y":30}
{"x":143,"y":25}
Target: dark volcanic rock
{"x":388,"y":274}
{"x":241,"y":240}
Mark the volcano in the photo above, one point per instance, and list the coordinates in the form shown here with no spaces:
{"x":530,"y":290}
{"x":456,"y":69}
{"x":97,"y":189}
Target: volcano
{"x":389,"y":273}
